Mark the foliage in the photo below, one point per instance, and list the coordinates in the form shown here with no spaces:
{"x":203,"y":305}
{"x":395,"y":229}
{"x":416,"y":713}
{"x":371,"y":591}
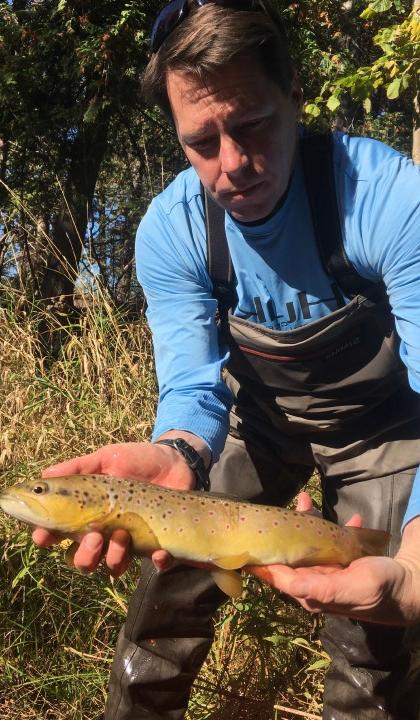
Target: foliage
{"x":356,"y":69}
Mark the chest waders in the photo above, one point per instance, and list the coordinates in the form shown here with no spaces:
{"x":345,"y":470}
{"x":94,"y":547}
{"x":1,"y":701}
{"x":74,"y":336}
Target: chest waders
{"x":334,"y":395}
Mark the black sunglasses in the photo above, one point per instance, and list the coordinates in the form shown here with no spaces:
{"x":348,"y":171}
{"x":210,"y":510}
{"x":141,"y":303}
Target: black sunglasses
{"x":177,"y":10}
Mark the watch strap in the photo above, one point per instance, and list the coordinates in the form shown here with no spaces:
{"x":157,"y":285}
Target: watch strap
{"x":193,"y":459}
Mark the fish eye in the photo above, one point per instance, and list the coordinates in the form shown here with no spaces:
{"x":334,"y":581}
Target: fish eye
{"x":40,"y":488}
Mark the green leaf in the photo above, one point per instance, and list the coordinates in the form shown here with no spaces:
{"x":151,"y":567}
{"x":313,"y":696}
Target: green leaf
{"x":312,"y":109}
{"x":381,"y":5}
{"x":319,"y":664}
{"x":333,"y":103}
{"x":405,"y":82}
{"x":393,"y":89}
{"x":368,"y":13}
{"x":367,"y":104}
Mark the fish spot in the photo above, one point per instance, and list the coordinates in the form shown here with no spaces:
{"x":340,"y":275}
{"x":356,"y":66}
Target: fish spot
{"x":211,"y":513}
{"x":242,"y":518}
{"x":320,"y":532}
{"x":298,"y":525}
{"x":275,"y":523}
{"x":196,"y":520}
{"x":180,"y":529}
{"x":259,"y":532}
{"x":227,"y":527}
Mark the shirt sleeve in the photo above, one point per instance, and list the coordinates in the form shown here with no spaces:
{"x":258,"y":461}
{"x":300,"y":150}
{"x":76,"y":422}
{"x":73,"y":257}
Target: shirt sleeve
{"x":386,"y":237}
{"x":388,"y":248}
{"x":181,"y":313}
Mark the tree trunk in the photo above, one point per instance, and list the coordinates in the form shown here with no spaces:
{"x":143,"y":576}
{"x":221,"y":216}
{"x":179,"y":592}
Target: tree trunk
{"x":69,"y":225}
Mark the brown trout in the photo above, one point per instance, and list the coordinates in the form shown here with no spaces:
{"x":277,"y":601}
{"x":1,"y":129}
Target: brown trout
{"x":190,"y":525}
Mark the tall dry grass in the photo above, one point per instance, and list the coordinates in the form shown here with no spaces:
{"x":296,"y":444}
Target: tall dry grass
{"x":58,"y":627}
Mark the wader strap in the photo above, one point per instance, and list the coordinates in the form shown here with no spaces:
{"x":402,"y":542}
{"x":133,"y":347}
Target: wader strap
{"x":219,"y":263}
{"x":317,"y":159}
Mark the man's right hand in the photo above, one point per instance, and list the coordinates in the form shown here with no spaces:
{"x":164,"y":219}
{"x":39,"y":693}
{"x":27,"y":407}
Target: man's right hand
{"x":145,"y":462}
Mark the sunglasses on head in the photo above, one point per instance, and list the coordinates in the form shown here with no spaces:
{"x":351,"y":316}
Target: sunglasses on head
{"x":177,"y":10}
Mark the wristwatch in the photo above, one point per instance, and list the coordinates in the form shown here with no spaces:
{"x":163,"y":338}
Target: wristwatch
{"x":194,"y":460}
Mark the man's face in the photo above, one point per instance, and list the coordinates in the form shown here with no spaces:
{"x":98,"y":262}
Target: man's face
{"x":239,"y":133}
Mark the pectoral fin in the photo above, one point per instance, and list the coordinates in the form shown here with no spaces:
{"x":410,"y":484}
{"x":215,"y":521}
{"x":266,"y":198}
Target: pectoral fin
{"x":229,"y":581}
{"x":233,"y":562}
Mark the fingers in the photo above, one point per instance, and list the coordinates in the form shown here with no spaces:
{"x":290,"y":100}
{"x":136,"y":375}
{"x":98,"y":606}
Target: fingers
{"x":162,"y":560}
{"x":355,"y":521}
{"x":304,"y":503}
{"x":44,"y":538}
{"x":89,"y":553}
{"x":118,"y":555}
{"x":83,"y":465}
{"x":315,"y":589}
{"x":92,"y":550}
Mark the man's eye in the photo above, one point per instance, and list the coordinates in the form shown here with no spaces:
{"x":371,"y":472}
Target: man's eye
{"x":254,"y":124}
{"x":203,"y":144}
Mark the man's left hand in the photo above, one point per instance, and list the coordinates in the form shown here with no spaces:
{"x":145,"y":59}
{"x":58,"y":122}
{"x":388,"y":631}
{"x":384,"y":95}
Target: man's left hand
{"x":374,"y":589}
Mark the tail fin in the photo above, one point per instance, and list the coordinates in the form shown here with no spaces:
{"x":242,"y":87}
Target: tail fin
{"x":372,"y":542}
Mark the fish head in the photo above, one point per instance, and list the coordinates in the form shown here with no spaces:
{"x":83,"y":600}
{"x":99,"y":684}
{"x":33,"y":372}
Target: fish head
{"x":65,"y":504}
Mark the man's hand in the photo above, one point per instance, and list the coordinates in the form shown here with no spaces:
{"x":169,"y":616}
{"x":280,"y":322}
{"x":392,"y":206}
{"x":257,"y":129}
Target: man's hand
{"x":145,"y":462}
{"x":374,"y":589}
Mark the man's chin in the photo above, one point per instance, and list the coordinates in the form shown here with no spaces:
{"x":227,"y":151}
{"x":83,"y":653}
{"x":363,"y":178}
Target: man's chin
{"x":250,"y":214}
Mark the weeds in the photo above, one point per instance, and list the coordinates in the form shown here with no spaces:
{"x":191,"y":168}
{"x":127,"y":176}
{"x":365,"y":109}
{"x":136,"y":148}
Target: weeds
{"x":59,"y":627}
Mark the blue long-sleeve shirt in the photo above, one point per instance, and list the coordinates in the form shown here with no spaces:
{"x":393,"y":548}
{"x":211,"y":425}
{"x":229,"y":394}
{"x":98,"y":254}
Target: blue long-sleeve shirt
{"x":277,"y":262}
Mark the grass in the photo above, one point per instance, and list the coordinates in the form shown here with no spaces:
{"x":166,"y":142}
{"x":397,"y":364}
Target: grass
{"x":58,"y":628}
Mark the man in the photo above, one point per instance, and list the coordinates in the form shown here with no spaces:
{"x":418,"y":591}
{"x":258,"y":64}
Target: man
{"x":313,"y":367}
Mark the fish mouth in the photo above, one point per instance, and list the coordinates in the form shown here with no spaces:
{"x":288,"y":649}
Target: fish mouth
{"x":31,"y":512}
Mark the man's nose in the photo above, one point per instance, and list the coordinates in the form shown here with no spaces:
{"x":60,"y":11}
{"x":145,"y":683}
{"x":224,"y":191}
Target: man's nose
{"x":233,"y":156}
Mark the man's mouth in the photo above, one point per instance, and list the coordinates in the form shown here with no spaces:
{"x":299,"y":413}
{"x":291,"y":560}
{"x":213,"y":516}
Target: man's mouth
{"x":242,"y":192}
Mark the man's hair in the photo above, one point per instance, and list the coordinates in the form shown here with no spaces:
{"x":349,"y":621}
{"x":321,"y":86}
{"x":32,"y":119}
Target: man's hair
{"x":211,"y":37}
